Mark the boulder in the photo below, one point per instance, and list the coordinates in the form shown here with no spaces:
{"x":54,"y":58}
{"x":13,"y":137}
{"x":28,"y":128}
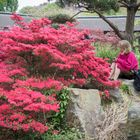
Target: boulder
{"x":85,"y":111}
{"x":116,"y":94}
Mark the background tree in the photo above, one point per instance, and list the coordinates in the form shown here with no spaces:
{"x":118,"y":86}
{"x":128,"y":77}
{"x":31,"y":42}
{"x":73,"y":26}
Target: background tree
{"x":8,"y":5}
{"x":64,"y":3}
{"x":101,"y":6}
{"x":2,"y":4}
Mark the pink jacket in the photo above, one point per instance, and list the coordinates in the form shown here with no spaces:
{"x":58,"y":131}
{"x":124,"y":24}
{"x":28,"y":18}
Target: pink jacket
{"x":127,"y":62}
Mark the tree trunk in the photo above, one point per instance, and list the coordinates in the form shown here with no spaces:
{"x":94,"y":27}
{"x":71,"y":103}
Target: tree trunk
{"x":129,"y":29}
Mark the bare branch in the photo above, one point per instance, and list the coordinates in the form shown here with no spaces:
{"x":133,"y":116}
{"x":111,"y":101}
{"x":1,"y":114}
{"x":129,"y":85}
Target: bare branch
{"x":138,"y":5}
{"x":114,"y":27}
{"x":121,"y":5}
{"x":137,"y":37}
{"x":77,"y":14}
{"x":124,"y":3}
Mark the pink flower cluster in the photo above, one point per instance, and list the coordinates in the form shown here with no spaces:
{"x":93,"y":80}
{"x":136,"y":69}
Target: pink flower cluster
{"x":21,"y":109}
{"x":104,"y":94}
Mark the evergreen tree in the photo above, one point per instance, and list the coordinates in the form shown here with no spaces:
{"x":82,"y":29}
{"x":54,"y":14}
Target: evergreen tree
{"x":64,"y":3}
{"x":2,"y":4}
{"x":8,"y":5}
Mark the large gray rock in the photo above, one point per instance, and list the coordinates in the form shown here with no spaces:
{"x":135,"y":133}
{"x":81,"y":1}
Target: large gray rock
{"x":116,"y":94}
{"x":85,"y":111}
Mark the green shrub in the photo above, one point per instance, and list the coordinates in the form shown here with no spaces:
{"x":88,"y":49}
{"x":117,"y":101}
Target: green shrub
{"x":46,"y":10}
{"x":61,"y":18}
{"x":69,"y":134}
{"x":57,"y":120}
{"x":125,"y":88}
{"x":55,"y":25}
{"x":28,"y":10}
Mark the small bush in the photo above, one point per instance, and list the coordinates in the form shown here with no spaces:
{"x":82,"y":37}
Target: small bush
{"x":61,"y":18}
{"x":125,"y":88}
{"x":46,"y":10}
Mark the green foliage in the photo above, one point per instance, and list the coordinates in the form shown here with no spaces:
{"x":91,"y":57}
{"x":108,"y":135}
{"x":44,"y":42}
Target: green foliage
{"x":121,"y":11}
{"x":46,"y":10}
{"x":106,"y":51}
{"x":61,"y":18}
{"x":2,"y":4}
{"x":8,"y":5}
{"x":101,"y":5}
{"x":58,"y":119}
{"x":40,"y":11}
{"x":63,"y":3}
{"x":52,"y":6}
{"x":125,"y":88}
{"x":28,"y":10}
{"x":69,"y":134}
{"x":55,"y":25}
{"x":66,"y":134}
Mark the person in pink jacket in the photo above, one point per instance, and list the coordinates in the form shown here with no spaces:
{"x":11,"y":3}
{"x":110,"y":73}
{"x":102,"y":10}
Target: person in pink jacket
{"x":125,"y":62}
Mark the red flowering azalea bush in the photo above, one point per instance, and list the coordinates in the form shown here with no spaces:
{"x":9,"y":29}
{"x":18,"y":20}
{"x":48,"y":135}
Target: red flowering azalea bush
{"x":22,"y":104}
{"x":35,"y":58}
{"x":105,"y":38}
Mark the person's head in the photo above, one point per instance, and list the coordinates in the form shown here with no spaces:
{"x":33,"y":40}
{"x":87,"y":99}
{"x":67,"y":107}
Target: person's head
{"x":124,"y":46}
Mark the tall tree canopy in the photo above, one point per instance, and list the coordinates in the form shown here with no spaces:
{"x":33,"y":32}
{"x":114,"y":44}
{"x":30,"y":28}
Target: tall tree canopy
{"x":8,"y":5}
{"x":64,"y":3}
{"x":101,"y":6}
